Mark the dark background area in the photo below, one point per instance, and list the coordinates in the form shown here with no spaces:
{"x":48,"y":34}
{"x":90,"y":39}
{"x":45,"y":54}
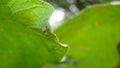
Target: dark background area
{"x":72,"y":7}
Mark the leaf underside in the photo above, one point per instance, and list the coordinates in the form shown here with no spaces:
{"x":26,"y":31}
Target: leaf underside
{"x":23,"y":44}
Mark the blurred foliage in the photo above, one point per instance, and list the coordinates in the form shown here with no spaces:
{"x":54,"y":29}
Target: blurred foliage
{"x":93,"y":36}
{"x":74,"y":6}
{"x":81,"y":4}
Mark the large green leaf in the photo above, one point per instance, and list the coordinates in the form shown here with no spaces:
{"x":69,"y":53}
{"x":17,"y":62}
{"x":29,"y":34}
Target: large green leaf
{"x":23,"y":44}
{"x":93,"y":36}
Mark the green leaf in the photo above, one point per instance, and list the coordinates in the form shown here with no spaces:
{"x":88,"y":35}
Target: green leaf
{"x":23,"y":44}
{"x":33,"y":13}
{"x":93,"y":36}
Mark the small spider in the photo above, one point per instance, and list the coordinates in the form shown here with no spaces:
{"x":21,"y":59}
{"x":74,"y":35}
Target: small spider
{"x":45,"y":29}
